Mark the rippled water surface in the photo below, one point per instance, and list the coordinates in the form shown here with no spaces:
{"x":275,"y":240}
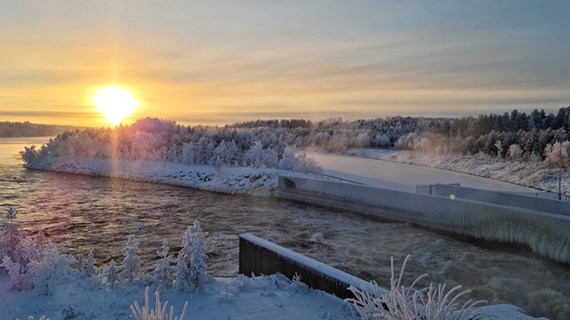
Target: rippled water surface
{"x":83,"y":213}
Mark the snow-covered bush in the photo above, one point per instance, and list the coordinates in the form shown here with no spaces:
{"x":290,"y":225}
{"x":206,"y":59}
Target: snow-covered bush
{"x":53,"y":269}
{"x":132,"y":261}
{"x":515,"y":152}
{"x":409,"y":303}
{"x":159,"y":313}
{"x":36,"y":263}
{"x":557,"y":155}
{"x":297,"y":160}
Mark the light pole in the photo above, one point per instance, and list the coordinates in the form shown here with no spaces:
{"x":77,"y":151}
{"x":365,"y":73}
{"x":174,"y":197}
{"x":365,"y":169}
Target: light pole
{"x":560,"y":165}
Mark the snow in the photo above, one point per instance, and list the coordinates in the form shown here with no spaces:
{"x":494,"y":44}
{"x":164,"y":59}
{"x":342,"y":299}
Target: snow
{"x":267,"y":297}
{"x":399,"y":176}
{"x":232,"y":180}
{"x":529,"y":176}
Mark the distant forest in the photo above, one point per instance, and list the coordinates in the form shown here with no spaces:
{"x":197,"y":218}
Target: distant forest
{"x":265,"y":143}
{"x":28,"y":129}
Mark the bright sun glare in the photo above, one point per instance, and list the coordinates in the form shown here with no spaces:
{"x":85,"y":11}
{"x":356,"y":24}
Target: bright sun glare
{"x":115,"y":103}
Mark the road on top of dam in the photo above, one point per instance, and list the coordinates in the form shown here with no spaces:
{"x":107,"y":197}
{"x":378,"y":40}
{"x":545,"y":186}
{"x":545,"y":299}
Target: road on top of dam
{"x":404,"y":177}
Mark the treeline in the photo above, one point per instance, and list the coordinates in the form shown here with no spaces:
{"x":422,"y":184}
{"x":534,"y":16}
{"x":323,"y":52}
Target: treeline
{"x":153,"y":139}
{"x":28,"y":129}
{"x":267,"y":143}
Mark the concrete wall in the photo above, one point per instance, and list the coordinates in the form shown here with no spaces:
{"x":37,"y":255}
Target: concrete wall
{"x":544,"y":232}
{"x":261,"y":257}
{"x":503,"y":198}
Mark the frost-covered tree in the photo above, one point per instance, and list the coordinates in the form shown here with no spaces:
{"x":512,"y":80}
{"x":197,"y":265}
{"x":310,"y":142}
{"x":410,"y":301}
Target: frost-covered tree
{"x":109,"y":275}
{"x":557,"y":155}
{"x":182,"y":281}
{"x":515,"y":152}
{"x":191,"y":265}
{"x":81,"y":265}
{"x":10,"y":236}
{"x":198,"y":264}
{"x":132,"y":261}
{"x":54,"y":268}
{"x":161,"y":277}
{"x":90,"y":269}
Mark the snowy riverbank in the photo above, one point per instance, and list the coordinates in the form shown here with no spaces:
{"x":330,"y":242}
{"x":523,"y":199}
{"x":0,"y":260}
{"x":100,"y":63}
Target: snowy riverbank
{"x":231,"y":180}
{"x":266,"y":297}
{"x":528,"y":174}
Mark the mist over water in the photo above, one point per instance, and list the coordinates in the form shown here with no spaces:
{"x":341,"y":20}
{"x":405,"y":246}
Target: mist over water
{"x":84,"y":213}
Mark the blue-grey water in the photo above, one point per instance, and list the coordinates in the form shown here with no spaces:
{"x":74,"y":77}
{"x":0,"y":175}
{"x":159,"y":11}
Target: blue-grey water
{"x":84,"y":213}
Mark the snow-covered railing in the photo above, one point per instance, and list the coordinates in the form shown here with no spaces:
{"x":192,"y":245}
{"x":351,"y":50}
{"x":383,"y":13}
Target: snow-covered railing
{"x":503,"y":198}
{"x":261,"y":257}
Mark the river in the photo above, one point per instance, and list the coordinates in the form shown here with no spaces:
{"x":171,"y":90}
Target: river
{"x":86,"y":213}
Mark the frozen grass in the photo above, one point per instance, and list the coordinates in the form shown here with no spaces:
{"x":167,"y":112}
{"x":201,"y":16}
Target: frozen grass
{"x":159,"y":313}
{"x":409,"y":303}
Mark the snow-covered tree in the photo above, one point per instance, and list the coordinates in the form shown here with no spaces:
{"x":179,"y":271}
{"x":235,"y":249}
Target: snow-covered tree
{"x":191,"y":265}
{"x":182,"y":281}
{"x":10,"y":236}
{"x":110,"y":273}
{"x":132,"y":261}
{"x":515,"y":152}
{"x":90,"y":269}
{"x":198,"y":264}
{"x":161,"y":278}
{"x":81,"y":265}
{"x":54,"y":268}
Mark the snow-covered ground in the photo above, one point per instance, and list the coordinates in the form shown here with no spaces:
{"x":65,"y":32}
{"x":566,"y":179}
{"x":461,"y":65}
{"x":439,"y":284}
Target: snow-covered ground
{"x":400,"y":176}
{"x":232,"y":180}
{"x":534,"y":175}
{"x":267,"y":297}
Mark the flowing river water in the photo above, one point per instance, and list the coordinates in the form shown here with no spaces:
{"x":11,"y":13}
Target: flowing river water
{"x":86,"y":213}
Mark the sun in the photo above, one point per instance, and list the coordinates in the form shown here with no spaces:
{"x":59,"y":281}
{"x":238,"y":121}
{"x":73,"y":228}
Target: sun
{"x":115,"y":103}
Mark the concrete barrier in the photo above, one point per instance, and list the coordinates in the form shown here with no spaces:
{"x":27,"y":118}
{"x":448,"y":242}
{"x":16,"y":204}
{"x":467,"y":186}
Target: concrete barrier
{"x":261,"y":257}
{"x":503,"y":198}
{"x":544,"y":232}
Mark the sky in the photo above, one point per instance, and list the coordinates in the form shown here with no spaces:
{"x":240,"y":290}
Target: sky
{"x":216,"y":62}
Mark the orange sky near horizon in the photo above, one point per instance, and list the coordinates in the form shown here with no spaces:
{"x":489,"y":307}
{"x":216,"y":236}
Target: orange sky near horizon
{"x":221,"y":62}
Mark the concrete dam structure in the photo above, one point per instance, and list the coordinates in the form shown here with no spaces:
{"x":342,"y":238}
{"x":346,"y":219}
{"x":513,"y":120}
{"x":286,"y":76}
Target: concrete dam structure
{"x":541,"y":224}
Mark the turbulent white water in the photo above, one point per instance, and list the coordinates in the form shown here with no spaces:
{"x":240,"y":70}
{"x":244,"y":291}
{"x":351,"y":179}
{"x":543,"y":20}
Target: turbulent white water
{"x":83,"y":212}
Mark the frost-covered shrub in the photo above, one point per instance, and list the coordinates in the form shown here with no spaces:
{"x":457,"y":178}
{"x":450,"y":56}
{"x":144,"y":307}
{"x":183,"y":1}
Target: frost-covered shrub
{"x":36,"y":263}
{"x":409,"y":303}
{"x":515,"y":152}
{"x":558,"y":155}
{"x":297,"y":160}
{"x":53,"y":269}
{"x":132,"y":261}
{"x":160,"y":311}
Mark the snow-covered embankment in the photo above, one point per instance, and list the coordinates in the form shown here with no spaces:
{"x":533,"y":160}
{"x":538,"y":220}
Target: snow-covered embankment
{"x":232,"y":180}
